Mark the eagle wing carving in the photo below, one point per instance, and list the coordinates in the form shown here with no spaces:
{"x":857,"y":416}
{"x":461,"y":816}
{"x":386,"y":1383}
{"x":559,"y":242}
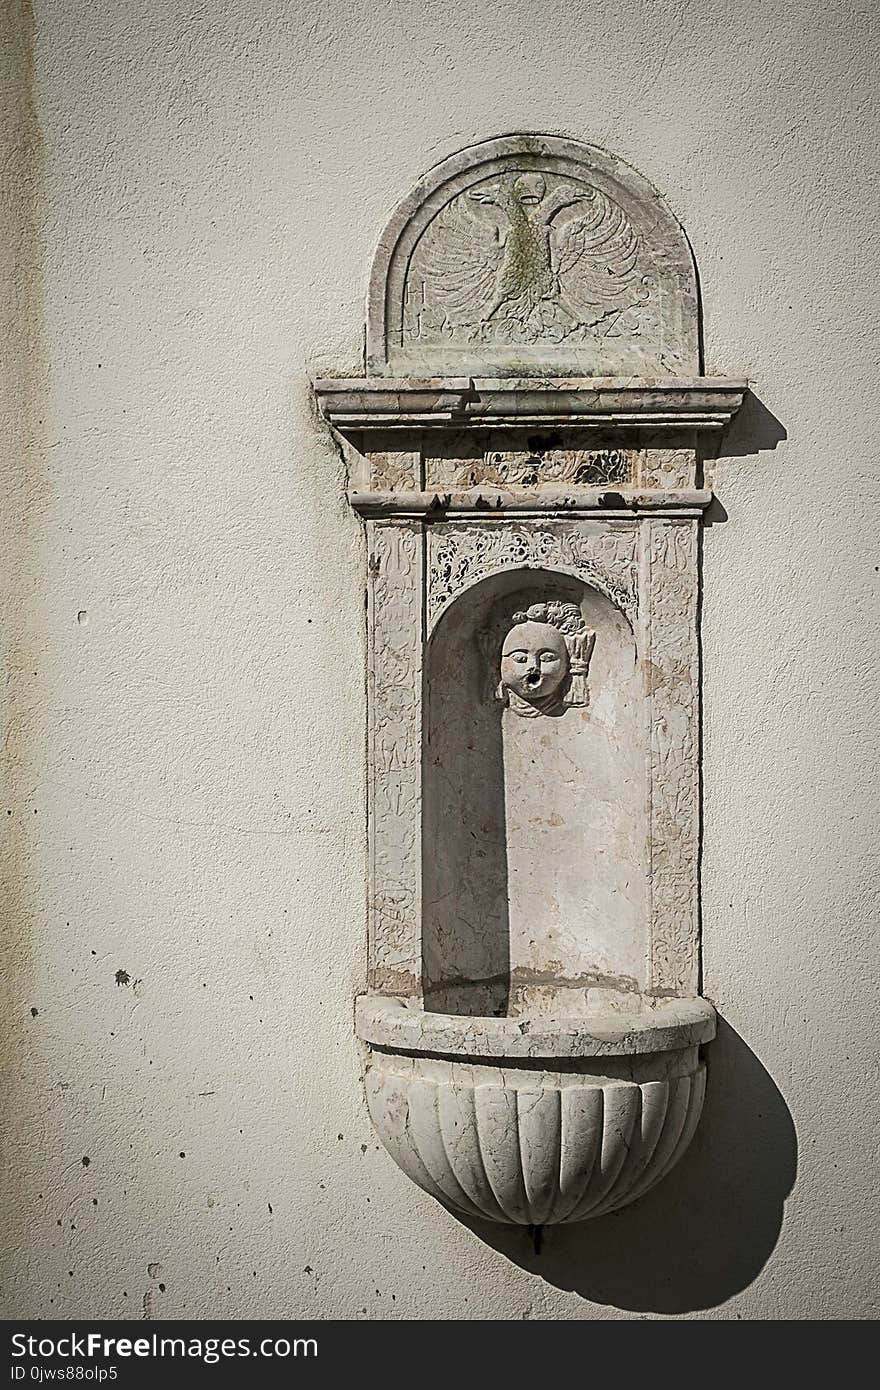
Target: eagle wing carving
{"x":462,"y":262}
{"x":596,"y":254}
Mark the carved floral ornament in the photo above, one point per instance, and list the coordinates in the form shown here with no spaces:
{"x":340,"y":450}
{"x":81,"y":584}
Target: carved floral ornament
{"x":524,"y":449}
{"x":460,"y":556}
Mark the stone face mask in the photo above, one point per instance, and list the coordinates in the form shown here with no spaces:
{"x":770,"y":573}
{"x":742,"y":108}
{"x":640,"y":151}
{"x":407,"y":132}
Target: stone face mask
{"x":534,"y":662}
{"x":545,"y":659}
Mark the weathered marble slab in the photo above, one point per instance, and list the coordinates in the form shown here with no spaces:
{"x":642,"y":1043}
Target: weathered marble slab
{"x":669,"y":593}
{"x":394,"y":616}
{"x":533,"y":254}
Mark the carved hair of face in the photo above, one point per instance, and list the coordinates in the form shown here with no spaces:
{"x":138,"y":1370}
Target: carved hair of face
{"x":534,"y":662}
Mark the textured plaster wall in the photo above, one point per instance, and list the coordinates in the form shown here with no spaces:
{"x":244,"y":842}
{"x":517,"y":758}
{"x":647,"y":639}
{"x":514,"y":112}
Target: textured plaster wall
{"x":192,"y":194}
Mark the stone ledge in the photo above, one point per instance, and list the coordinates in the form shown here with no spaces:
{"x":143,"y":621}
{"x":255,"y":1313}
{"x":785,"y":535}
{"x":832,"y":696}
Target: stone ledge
{"x":657,"y":1026}
{"x":486,"y":503}
{"x":479,"y":403}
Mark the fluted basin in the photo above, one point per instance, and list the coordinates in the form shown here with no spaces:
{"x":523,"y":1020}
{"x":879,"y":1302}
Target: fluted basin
{"x":535,"y":1121}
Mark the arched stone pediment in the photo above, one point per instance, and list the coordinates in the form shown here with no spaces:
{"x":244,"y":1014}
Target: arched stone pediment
{"x":533,"y":255}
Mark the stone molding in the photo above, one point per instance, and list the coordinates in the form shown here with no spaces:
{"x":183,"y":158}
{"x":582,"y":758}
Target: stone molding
{"x":487,"y":504}
{"x":371,"y":404}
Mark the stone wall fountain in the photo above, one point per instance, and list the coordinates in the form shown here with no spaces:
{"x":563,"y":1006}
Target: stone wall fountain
{"x":525,"y":451}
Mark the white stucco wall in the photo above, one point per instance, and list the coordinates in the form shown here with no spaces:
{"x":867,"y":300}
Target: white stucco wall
{"x":193,"y":195}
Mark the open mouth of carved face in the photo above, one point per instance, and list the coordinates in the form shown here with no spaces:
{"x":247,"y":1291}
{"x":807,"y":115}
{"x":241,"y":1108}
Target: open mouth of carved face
{"x":534,"y":679}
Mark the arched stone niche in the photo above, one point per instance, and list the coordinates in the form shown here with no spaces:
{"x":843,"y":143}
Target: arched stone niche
{"x":515,"y":808}
{"x":524,"y":449}
{"x":532,"y":255}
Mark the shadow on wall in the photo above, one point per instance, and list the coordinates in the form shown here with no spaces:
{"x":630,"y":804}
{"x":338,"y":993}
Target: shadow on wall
{"x":707,"y":1230}
{"x":753,"y":430}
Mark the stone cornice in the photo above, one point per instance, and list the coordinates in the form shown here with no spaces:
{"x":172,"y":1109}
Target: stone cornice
{"x":365,"y":404}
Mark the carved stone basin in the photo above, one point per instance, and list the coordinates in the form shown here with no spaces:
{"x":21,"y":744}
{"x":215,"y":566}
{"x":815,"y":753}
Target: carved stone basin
{"x":535,"y":1120}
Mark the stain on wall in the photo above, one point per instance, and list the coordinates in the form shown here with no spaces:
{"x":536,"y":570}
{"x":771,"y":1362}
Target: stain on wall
{"x":26,"y":490}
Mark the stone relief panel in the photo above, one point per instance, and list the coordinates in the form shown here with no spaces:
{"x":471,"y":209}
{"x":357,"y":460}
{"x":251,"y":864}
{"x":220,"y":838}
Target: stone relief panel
{"x":394,"y":463}
{"x":395,"y":661}
{"x":603,"y":554}
{"x":538,"y":254}
{"x":670,"y":596}
{"x":534,"y":800}
{"x":524,"y":257}
{"x":523,"y":460}
{"x":494,"y":462}
{"x":669,"y":467}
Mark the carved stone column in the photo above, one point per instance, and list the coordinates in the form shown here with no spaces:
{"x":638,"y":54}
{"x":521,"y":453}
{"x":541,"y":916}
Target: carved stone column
{"x":525,"y":451}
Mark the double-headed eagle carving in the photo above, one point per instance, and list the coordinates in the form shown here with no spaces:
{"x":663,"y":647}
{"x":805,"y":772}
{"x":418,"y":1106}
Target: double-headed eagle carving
{"x":525,"y":274}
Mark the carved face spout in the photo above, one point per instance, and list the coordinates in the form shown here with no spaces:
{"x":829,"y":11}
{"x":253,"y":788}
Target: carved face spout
{"x":534,"y":662}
